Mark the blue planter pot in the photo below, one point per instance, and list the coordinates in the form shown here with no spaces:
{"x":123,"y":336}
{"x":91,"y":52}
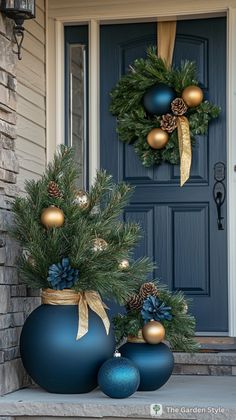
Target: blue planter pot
{"x":154,"y":361}
{"x":53,"y":357}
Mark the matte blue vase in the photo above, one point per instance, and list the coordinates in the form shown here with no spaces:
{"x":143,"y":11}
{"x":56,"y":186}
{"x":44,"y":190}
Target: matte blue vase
{"x":53,"y":357}
{"x":154,"y":361}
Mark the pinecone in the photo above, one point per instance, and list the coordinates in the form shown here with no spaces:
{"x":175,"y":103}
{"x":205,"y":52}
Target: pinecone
{"x":168,"y":123}
{"x":135,"y":302}
{"x":178,"y":106}
{"x":147,"y":289}
{"x":53,"y":190}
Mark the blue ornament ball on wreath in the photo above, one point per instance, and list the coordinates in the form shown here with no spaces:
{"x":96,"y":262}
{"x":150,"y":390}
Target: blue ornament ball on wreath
{"x":157,"y":100}
{"x":118,"y":377}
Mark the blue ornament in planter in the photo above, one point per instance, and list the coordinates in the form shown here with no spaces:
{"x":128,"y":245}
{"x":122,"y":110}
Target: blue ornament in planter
{"x":118,"y":377}
{"x":53,"y":357}
{"x":155,"y":363}
{"x":157,"y":100}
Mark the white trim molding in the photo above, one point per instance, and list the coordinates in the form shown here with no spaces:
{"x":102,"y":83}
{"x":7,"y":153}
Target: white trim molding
{"x":94,"y":99}
{"x":55,"y":79}
{"x":231,"y":164}
{"x":95,"y":13}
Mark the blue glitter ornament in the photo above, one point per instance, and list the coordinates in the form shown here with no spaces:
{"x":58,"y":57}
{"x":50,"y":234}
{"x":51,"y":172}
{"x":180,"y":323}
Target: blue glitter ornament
{"x":118,"y":377}
{"x":154,"y":308}
{"x":157,"y":100}
{"x":62,"y":275}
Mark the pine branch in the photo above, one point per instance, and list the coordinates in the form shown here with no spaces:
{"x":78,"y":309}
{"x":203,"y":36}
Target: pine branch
{"x":98,"y":270}
{"x":179,"y":331}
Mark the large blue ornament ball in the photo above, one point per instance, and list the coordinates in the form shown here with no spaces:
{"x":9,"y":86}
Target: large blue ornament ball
{"x":118,"y":377}
{"x":157,"y":100}
{"x":154,"y":361}
{"x":53,"y":357}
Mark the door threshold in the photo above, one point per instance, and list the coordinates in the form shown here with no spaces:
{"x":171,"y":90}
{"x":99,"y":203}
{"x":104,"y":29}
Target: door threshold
{"x":211,"y":334}
{"x":217,"y":343}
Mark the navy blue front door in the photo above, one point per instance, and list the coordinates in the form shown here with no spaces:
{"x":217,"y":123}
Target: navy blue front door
{"x":179,"y":224}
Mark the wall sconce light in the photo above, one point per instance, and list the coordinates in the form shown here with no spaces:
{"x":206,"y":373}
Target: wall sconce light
{"x":19,"y":11}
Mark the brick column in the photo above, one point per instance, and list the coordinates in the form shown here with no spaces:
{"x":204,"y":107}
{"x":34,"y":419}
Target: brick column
{"x":15,"y":299}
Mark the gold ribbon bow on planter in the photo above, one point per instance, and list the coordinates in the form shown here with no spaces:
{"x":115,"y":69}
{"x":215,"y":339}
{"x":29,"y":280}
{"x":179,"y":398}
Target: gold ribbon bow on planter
{"x":166,"y":32}
{"x":84,"y":300}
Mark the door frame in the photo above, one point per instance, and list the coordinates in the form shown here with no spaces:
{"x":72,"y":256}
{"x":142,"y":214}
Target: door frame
{"x":58,"y":17}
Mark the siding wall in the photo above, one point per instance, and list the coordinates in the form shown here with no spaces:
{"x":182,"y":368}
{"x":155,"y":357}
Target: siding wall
{"x":22,"y":141}
{"x":31,"y":108}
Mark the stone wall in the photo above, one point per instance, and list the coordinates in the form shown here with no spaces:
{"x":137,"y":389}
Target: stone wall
{"x":15,"y":300}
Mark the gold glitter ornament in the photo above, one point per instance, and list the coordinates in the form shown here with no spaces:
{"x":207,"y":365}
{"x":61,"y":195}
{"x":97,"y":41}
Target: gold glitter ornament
{"x":124,"y":264}
{"x":82,"y":199}
{"x":99,"y":244}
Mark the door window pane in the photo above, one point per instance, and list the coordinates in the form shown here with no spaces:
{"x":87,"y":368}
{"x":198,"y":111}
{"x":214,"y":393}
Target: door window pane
{"x":77,"y":107}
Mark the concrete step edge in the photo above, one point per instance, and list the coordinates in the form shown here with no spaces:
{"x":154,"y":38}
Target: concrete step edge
{"x":206,"y":370}
{"x":223,"y":358}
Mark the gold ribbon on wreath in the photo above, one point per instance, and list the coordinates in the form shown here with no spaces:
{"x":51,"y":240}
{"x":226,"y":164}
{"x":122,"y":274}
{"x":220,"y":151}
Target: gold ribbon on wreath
{"x":84,"y":300}
{"x":166,"y":32}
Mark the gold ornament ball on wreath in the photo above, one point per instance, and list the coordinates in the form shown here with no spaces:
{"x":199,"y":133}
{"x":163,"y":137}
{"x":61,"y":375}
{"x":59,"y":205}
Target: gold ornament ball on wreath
{"x":192,"y":96}
{"x":52,"y":217}
{"x":153,"y":332}
{"x":157,"y":138}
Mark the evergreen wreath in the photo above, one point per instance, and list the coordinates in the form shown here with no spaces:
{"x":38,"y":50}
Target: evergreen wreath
{"x":134,"y":123}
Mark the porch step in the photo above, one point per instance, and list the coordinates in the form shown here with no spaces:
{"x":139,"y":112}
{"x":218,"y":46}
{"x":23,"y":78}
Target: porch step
{"x":207,"y":363}
{"x":183,"y":397}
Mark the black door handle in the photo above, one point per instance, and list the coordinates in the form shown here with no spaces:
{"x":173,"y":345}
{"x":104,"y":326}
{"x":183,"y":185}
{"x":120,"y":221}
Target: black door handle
{"x":219,"y":200}
{"x":219,"y":192}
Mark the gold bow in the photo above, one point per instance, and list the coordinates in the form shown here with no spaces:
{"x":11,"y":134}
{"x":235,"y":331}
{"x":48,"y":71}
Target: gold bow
{"x":166,"y":32}
{"x":84,"y":300}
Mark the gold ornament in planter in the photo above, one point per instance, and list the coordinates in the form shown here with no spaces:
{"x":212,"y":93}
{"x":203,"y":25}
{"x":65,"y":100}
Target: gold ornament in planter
{"x":52,"y":217}
{"x":31,"y":260}
{"x":185,"y":308}
{"x":82,"y":199}
{"x":124,"y":264}
{"x":153,"y":332}
{"x":99,"y":244}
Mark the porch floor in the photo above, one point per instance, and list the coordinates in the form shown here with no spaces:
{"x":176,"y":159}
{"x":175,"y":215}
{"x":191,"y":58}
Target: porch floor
{"x":178,"y":397}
